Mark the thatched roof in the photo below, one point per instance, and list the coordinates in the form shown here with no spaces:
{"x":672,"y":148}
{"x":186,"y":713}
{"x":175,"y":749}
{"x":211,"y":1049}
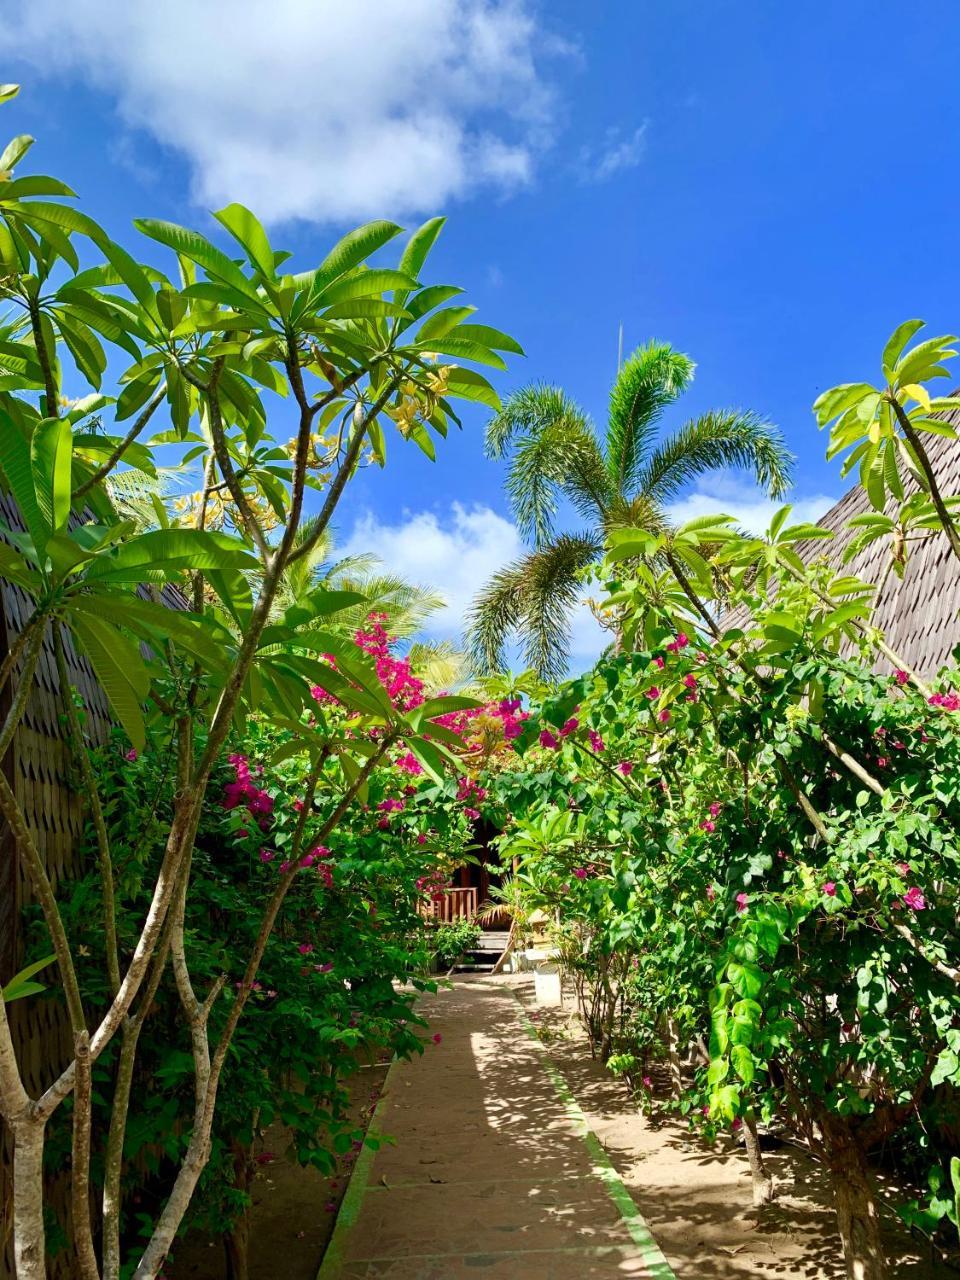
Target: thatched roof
{"x":919,"y":613}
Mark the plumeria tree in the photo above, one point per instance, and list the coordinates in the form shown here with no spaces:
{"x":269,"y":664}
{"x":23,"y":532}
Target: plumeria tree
{"x":364,"y":354}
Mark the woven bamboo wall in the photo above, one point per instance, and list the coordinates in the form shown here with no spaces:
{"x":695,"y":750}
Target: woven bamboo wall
{"x":38,"y":768}
{"x":920,"y":613}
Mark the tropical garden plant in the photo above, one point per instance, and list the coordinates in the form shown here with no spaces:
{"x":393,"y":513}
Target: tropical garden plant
{"x":744,"y":823}
{"x":625,"y":477}
{"x":358,"y":350}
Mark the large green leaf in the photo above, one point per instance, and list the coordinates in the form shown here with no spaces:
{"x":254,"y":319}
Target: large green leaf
{"x":119,"y":670}
{"x":17,"y":468}
{"x":51,"y":462}
{"x":355,"y":247}
{"x":170,"y":551}
{"x":246,"y":228}
{"x":198,"y":249}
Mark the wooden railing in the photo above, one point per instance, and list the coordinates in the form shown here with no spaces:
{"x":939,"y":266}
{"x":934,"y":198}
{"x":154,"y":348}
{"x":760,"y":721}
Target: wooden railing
{"x":452,"y":904}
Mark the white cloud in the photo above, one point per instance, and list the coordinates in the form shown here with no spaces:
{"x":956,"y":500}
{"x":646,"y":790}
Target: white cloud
{"x":455,"y":554}
{"x":729,"y":496}
{"x":618,"y":152}
{"x":314,"y":109}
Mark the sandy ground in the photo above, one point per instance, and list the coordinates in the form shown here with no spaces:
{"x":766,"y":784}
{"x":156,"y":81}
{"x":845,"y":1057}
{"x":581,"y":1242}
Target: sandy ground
{"x":696,"y":1198}
{"x":293,"y":1211}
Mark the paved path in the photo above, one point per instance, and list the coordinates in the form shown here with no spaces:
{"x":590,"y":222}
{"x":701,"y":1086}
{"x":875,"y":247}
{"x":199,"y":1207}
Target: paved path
{"x":494,"y":1175}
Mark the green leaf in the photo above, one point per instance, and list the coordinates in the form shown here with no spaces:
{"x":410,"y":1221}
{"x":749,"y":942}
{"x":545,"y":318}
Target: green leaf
{"x":246,"y":228}
{"x":198,"y":249}
{"x":895,"y":345}
{"x":119,"y":670}
{"x":419,"y":246}
{"x":167,"y":552}
{"x":20,"y":984}
{"x":18,"y":470}
{"x":51,"y":457}
{"x":488,"y":337}
{"x":355,"y":247}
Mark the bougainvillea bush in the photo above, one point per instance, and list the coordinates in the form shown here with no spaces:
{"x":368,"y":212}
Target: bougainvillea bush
{"x":746,"y":832}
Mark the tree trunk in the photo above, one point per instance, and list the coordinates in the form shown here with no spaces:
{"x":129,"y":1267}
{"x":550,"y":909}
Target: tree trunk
{"x":763,"y":1186}
{"x":673,"y":1057}
{"x":28,"y":1237}
{"x":857,"y":1217}
{"x":236,"y":1241}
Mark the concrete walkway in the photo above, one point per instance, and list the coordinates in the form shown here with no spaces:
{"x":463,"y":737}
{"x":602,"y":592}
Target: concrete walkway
{"x":494,"y":1174}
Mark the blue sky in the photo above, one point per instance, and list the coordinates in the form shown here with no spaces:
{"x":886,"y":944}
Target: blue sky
{"x":770,"y":187}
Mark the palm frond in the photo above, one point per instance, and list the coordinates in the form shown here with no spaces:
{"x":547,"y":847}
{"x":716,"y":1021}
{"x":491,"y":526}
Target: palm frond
{"x":554,"y":448}
{"x":722,"y":438}
{"x":495,"y":613}
{"x":650,"y":380}
{"x":551,"y":591}
{"x":441,"y":666}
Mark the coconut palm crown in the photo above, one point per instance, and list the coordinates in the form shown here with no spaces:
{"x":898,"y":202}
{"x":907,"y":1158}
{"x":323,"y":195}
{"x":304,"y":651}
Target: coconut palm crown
{"x":626,"y":478}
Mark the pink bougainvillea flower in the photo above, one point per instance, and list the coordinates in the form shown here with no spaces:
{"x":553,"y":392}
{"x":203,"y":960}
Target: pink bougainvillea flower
{"x":472,"y":814}
{"x":914,"y":899}
{"x":570,"y":726}
{"x":305,"y":948}
{"x":653,"y":693}
{"x":714,"y":808}
{"x":596,"y":742}
{"x":580,"y":873}
{"x":901,"y":676}
{"x":743,"y":901}
{"x":737,"y":1125}
{"x":548,"y":739}
{"x":284,"y":866}
{"x":903,"y":868}
{"x":679,"y":643}
{"x":383,"y":823}
{"x":267,"y":855}
{"x":708,"y":826}
{"x":323,"y":968}
{"x":130,"y":755}
{"x":437,"y":1037}
{"x":647,"y":1082}
{"x":690,"y":681}
{"x":625,"y":767}
{"x":421,"y":838}
{"x":409,"y":764}
{"x":711,"y":893}
{"x":664,"y":716}
{"x":830,"y":889}
{"x":659,"y":662}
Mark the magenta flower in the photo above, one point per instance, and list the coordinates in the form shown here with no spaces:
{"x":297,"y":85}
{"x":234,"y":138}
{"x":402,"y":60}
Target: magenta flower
{"x":743,"y":901}
{"x":596,"y":742}
{"x":659,"y":662}
{"x":570,"y":726}
{"x":711,"y":893}
{"x":708,"y":826}
{"x":130,"y":755}
{"x":653,"y":693}
{"x":903,"y":868}
{"x":664,"y":716}
{"x":715,"y":808}
{"x":647,"y":1082}
{"x":830,"y":889}
{"x":901,"y":676}
{"x":625,"y":767}
{"x":914,"y":899}
{"x":421,"y":838}
{"x":472,"y":814}
{"x":548,"y":739}
{"x":580,"y":873}
{"x":437,"y":1037}
{"x":305,"y":948}
{"x":690,"y":681}
{"x":267,"y":855}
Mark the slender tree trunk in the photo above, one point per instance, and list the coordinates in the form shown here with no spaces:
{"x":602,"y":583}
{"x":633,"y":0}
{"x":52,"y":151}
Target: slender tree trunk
{"x":236,"y":1241}
{"x":764,"y":1191}
{"x":29,"y":1250}
{"x":855,"y":1202}
{"x":673,"y":1057}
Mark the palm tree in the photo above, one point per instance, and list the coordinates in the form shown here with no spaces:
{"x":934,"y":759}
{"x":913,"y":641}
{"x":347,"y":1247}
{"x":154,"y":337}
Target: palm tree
{"x":626,"y":478}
